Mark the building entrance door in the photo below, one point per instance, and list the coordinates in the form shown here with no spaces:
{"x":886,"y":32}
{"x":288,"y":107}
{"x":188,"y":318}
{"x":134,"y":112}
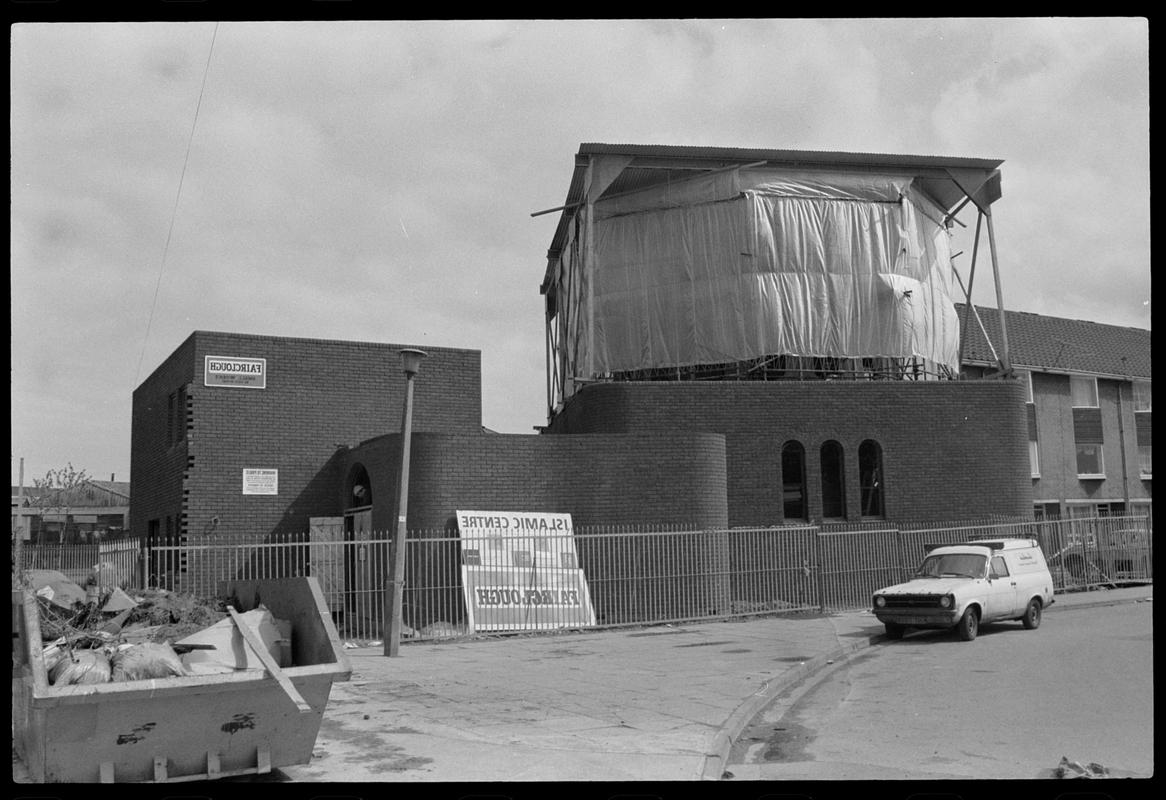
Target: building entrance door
{"x":326,"y":560}
{"x":364,"y":573}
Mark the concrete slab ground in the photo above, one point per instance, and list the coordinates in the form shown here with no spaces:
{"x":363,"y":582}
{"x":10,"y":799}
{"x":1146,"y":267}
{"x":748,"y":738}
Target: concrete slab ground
{"x":634,"y":712}
{"x":662,"y":703}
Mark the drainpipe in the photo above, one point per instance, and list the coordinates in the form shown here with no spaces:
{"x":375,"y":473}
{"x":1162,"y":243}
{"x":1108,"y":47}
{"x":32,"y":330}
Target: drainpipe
{"x":1121,"y":438}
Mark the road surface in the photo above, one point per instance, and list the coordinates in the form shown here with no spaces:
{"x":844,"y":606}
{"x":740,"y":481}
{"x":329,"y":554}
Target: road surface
{"x":1008,"y":705}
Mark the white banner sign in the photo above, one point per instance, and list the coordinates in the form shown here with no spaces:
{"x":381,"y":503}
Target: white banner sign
{"x":520,"y":571}
{"x":260,"y":481}
{"x":239,"y":373}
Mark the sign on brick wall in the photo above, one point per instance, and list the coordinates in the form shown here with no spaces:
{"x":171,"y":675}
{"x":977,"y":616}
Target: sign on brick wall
{"x":234,"y":372}
{"x":260,"y":481}
{"x":520,"y":571}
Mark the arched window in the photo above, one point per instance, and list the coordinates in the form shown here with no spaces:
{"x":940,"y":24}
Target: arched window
{"x":833,"y":484}
{"x":870,"y":476}
{"x":359,"y":488}
{"x":793,"y":481}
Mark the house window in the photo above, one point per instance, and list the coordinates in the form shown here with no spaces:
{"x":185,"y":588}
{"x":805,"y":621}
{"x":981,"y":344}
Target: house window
{"x":1090,"y":463}
{"x":833,"y":483}
{"x":793,"y":481}
{"x":1142,"y":396}
{"x":1034,"y":458}
{"x":1084,"y":391}
{"x":870,"y":473}
{"x":1079,"y":510}
{"x":1142,"y":508}
{"x":1046,"y":510}
{"x":1145,"y":460}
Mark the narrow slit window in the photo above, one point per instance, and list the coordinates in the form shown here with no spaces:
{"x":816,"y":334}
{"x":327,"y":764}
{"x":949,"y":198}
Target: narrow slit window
{"x":793,"y":481}
{"x":833,"y":484}
{"x":870,"y":469}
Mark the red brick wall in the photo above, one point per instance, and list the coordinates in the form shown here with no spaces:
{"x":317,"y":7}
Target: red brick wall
{"x":951,"y":449}
{"x":659,"y":478}
{"x":319,"y":396}
{"x":157,"y":465}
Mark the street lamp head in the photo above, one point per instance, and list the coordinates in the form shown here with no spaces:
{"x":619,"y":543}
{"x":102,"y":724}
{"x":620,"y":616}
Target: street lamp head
{"x":411,"y":360}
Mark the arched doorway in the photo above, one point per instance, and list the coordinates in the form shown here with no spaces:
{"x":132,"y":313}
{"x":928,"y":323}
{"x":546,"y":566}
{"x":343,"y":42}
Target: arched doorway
{"x":365,"y":558}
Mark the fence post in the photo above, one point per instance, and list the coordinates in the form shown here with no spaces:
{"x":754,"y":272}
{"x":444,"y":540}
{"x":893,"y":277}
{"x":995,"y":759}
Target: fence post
{"x":143,"y":575}
{"x":821,"y":569}
{"x":902,"y":554}
{"x":722,"y":593}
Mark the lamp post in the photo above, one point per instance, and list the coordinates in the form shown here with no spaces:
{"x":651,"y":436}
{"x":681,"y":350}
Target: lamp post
{"x":410,"y":363}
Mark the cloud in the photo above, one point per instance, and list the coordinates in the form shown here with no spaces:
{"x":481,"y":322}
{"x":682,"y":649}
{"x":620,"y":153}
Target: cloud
{"x":375,"y":180}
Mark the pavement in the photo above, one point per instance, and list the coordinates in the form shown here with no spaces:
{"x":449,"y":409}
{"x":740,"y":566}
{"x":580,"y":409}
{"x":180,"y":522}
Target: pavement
{"x":663,"y":703}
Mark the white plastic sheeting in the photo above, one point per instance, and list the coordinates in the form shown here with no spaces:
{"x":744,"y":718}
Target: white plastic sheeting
{"x":745,"y":263}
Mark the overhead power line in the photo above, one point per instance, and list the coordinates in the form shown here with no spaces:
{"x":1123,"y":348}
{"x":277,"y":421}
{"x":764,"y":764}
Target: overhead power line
{"x":174,"y":211}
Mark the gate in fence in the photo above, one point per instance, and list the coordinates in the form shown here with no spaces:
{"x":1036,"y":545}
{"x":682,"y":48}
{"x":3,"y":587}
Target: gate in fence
{"x":636,"y":577}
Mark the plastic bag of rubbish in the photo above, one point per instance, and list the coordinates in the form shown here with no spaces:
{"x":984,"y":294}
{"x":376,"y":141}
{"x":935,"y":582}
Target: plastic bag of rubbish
{"x":147,"y":660}
{"x":1074,"y":769}
{"x":80,"y":667}
{"x":54,"y":587}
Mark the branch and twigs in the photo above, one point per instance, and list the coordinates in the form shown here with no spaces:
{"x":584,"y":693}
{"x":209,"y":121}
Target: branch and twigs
{"x":56,"y":493}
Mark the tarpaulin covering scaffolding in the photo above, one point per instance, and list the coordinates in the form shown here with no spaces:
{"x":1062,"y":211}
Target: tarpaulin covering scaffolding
{"x":746,"y":261}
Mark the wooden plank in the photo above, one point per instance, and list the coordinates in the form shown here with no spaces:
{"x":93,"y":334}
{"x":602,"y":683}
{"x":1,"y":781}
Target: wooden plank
{"x":34,"y":647}
{"x":273,"y":669}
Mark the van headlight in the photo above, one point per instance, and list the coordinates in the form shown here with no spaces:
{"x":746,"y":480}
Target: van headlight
{"x":880,"y":601}
{"x":946,"y":601}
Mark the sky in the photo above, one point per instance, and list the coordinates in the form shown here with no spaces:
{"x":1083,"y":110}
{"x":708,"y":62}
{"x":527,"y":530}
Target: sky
{"x":375,"y":180}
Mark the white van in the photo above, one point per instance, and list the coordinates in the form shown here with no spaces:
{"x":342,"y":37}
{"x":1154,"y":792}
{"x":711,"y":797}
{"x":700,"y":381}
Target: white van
{"x":967,"y":585}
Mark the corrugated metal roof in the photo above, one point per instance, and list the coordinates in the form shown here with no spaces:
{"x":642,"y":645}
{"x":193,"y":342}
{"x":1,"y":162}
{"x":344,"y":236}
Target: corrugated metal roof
{"x":114,"y":487}
{"x":1056,"y":344}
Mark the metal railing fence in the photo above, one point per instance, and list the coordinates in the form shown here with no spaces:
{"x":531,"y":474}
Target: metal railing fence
{"x":110,"y":564}
{"x":624,"y":576}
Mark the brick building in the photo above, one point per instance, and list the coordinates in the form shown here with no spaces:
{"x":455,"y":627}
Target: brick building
{"x":317,"y":436}
{"x":1089,"y":406}
{"x":696,"y":418}
{"x":94,"y":511}
{"x":198,"y":432}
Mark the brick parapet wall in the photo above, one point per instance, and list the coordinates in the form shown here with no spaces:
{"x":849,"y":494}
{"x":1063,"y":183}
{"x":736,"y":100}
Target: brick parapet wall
{"x":951,"y":449}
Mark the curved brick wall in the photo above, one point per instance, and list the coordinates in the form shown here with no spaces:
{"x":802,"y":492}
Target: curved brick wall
{"x":951,"y":449}
{"x":658,"y":478}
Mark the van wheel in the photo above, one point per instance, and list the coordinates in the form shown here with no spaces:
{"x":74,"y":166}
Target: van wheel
{"x":1031,"y":618}
{"x":894,"y":631}
{"x":969,"y":625}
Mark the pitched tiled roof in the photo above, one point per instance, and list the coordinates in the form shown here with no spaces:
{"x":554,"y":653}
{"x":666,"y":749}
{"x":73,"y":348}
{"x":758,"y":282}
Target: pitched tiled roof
{"x":114,"y":487}
{"x":1055,"y":344}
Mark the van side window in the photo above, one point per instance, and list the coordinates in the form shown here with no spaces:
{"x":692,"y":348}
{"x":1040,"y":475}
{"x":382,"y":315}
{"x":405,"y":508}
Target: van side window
{"x":999,"y":568}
